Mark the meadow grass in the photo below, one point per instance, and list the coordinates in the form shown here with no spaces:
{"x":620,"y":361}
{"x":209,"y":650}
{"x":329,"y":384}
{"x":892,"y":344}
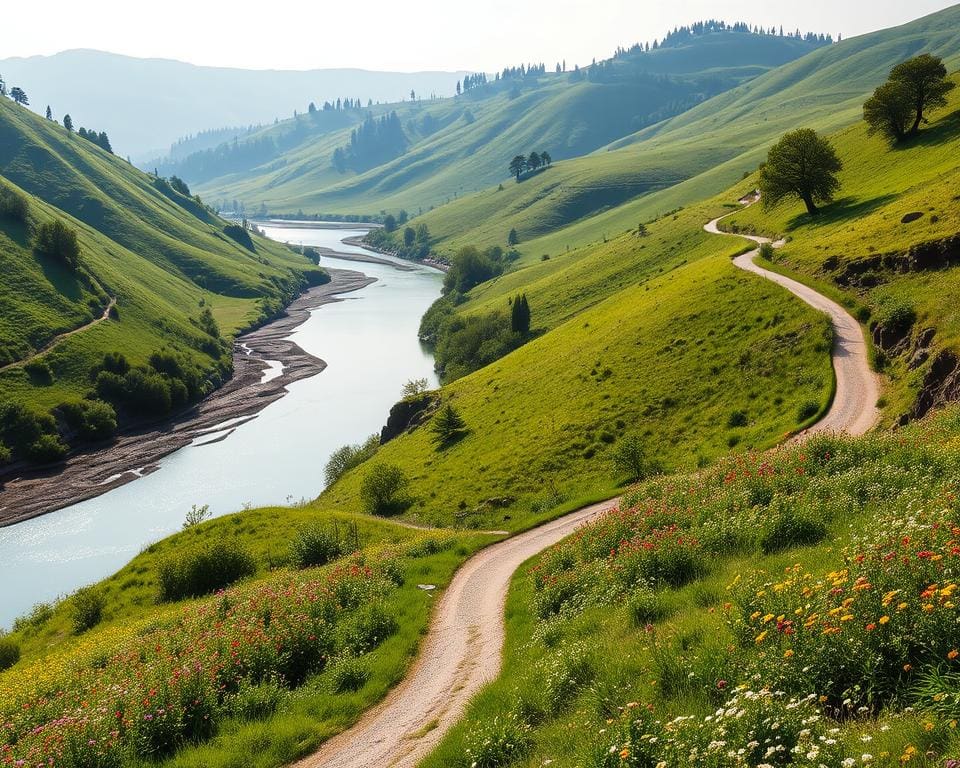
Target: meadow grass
{"x":671,"y":607}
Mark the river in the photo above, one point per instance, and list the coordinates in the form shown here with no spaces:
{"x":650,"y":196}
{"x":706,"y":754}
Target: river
{"x":369,"y":342}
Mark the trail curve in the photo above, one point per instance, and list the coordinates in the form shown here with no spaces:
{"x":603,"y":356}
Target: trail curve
{"x":854,"y":408}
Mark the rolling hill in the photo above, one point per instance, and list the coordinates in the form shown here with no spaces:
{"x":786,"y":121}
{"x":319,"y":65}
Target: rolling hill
{"x":457,"y":146}
{"x":152,"y":262}
{"x":132,"y":99}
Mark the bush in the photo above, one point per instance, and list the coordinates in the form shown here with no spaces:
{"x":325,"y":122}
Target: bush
{"x":737,"y":419}
{"x":115,"y":362}
{"x":630,"y":458}
{"x":767,"y":251}
{"x":645,"y":607}
{"x":348,"y":457}
{"x":58,"y":241}
{"x":348,"y":674}
{"x":204,"y":570}
{"x":497,"y":742}
{"x":21,"y":428}
{"x":13,"y":205}
{"x":808,"y":410}
{"x":39,"y":371}
{"x":46,"y":449}
{"x":240,"y":235}
{"x":314,"y":546}
{"x":789,"y":530}
{"x":9,"y":650}
{"x":93,"y":420}
{"x":370,"y":627}
{"x":86,"y":609}
{"x":39,"y":615}
{"x":383,"y":490}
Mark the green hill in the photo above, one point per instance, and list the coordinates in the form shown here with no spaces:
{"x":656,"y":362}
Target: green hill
{"x":161,"y":257}
{"x":693,"y":155}
{"x":457,"y":146}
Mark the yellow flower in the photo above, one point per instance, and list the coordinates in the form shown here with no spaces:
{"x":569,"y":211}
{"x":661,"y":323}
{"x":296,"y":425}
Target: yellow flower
{"x":928,"y":726}
{"x":847,"y":617}
{"x":761,"y":637}
{"x":787,"y":654}
{"x":928,"y":608}
{"x":902,"y":607}
{"x":884,"y":620}
{"x":767,"y":618}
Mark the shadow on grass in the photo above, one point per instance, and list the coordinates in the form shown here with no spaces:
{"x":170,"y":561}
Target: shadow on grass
{"x":61,"y":276}
{"x":941,"y":131}
{"x":840,"y":210}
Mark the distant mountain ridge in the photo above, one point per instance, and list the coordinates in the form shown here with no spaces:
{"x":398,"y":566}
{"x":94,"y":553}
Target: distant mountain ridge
{"x":148,"y":104}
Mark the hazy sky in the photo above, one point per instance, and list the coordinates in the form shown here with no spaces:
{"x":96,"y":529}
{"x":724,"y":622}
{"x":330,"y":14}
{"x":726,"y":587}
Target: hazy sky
{"x":405,"y":34}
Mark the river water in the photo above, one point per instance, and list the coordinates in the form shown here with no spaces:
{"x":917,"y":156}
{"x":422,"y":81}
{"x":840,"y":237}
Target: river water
{"x":369,"y":342}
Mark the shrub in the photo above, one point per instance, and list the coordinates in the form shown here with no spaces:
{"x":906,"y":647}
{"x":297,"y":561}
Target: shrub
{"x":257,"y":701}
{"x":808,"y":410}
{"x":13,"y":205}
{"x":313,"y":546}
{"x":21,"y":428}
{"x":630,"y":457}
{"x":86,"y":608}
{"x":93,"y":420}
{"x":39,"y":615}
{"x":58,"y":241}
{"x":383,"y":490}
{"x":348,"y":457}
{"x":791,"y":529}
{"x":737,"y":419}
{"x":9,"y":650}
{"x":46,"y":449}
{"x":115,"y":362}
{"x":203,"y":570}
{"x":240,"y":235}
{"x":196,"y":515}
{"x":370,"y":627}
{"x":767,"y":251}
{"x":897,"y":318}
{"x":645,"y":607}
{"x":348,"y":674}
{"x":40,"y":371}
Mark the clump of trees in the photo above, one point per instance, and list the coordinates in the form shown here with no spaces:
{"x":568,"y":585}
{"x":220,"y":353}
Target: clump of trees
{"x":470,"y":267}
{"x":57,"y":240}
{"x":413,"y":244}
{"x":520,"y":315}
{"x":13,"y":205}
{"x":373,"y":142}
{"x":99,"y":138}
{"x":802,"y":164}
{"x":348,"y":457}
{"x":900,"y":106}
{"x":529,"y":164}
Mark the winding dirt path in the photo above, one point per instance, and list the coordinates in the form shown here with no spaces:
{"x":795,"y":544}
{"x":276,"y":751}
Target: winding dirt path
{"x":462,"y":651}
{"x":461,"y":654}
{"x":60,"y":337}
{"x":854,"y":409}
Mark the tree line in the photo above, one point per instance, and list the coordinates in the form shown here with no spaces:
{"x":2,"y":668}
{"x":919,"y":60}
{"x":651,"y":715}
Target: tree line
{"x":805,"y":165}
{"x":373,"y":142}
{"x":533,"y":162}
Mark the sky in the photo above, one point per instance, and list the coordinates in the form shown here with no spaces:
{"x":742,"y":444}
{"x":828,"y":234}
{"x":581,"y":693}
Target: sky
{"x":408,"y":35}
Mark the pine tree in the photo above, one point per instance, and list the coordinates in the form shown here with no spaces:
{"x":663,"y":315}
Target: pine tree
{"x":49,"y":113}
{"x":448,"y":426}
{"x":520,"y":315}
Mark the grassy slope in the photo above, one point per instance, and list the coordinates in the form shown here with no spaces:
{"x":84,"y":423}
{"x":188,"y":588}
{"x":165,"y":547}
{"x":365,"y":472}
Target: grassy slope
{"x":315,"y":711}
{"x":669,"y":356}
{"x":474,"y":136}
{"x":879,"y":186}
{"x":674,"y":664}
{"x":160,"y":255}
{"x":692,"y":156}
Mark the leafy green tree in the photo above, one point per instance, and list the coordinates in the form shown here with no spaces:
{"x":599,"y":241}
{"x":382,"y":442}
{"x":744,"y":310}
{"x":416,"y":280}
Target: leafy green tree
{"x":889,"y":111}
{"x":3,"y":87}
{"x":382,"y":490}
{"x":409,"y":237}
{"x":180,"y":185}
{"x":642,"y":230}
{"x":19,"y":96}
{"x":513,"y":238}
{"x":925,"y":78}
{"x":68,"y":123}
{"x":56,"y":240}
{"x":534,"y":162}
{"x":518,"y":165}
{"x":390,"y":222}
{"x":448,"y":426}
{"x":208,"y":323}
{"x":347,"y":457}
{"x":423,"y":234}
{"x":520,"y":315}
{"x":545,"y":158}
{"x":802,"y":164}
{"x":415,"y":387}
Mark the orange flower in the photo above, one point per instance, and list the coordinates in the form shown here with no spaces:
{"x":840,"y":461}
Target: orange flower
{"x":907,"y":667}
{"x":953,"y":654}
{"x":787,"y":654}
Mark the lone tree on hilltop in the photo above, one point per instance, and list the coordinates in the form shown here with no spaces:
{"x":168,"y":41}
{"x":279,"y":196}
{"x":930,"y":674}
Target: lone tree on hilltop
{"x":802,"y":164}
{"x":518,"y":165}
{"x":19,"y":96}
{"x":924,"y":78}
{"x":915,"y":87}
{"x":68,"y":123}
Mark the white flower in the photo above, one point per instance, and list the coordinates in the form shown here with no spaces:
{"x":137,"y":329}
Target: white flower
{"x":848,"y":762}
